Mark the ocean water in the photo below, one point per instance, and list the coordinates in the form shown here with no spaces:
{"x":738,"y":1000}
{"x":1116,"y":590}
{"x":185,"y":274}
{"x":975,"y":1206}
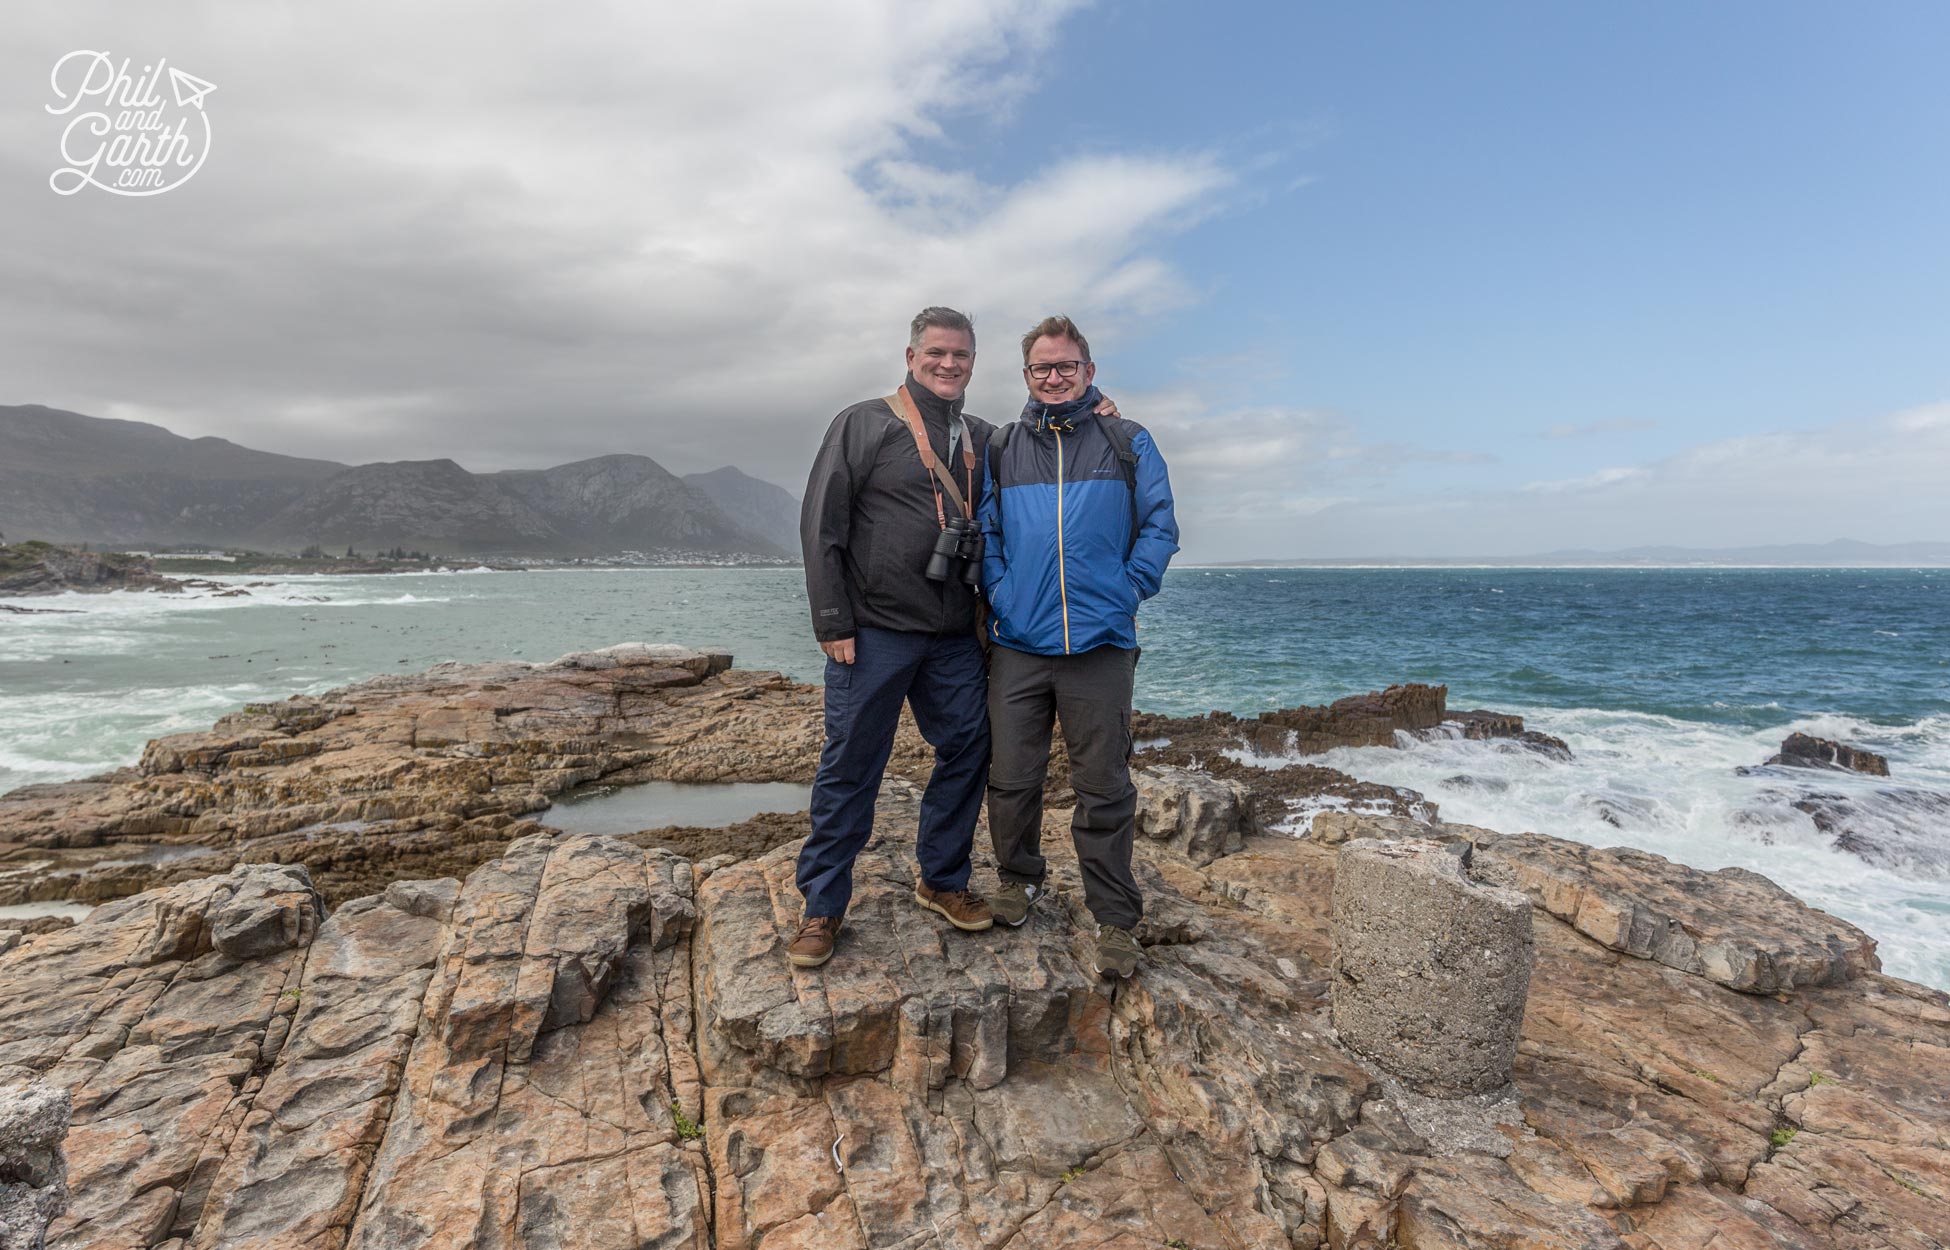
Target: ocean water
{"x":1664,"y":682}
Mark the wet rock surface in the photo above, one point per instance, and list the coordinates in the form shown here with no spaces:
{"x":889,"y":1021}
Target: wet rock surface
{"x":1891,"y":827}
{"x":1804,"y":751}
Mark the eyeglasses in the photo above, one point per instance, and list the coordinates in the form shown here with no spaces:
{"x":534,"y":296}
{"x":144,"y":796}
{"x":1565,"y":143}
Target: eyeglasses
{"x":1062,"y":368}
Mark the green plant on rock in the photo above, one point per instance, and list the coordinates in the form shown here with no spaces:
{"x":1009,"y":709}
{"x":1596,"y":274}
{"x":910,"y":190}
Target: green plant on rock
{"x":1817,"y":1078}
{"x":1072,"y":1174}
{"x":687,"y":1128}
{"x":1782,"y":1136}
{"x":1178,"y":1243}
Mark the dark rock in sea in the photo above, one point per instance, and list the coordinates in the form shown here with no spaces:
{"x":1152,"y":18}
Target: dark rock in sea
{"x":1900,"y":828}
{"x":1619,"y":811}
{"x":1804,"y":751}
{"x":1463,"y":781}
{"x":1484,"y":726}
{"x":1362,"y":720}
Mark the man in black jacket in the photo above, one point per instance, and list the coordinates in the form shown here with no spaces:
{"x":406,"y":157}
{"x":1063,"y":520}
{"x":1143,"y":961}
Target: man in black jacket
{"x":875,"y":504}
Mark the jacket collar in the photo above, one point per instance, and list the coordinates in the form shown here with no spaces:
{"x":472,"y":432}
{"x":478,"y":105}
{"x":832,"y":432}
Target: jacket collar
{"x":1043,"y":417}
{"x":933,"y":408}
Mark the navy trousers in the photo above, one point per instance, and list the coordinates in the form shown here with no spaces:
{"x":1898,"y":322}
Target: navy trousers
{"x":943,"y":679}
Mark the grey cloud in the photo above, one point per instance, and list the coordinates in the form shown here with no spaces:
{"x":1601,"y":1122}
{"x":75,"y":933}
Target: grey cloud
{"x":516,"y":240}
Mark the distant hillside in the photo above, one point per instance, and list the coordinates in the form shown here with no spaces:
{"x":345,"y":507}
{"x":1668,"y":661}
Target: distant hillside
{"x":70,"y":478}
{"x":73,"y":478}
{"x":434,"y":505}
{"x":759,"y":507}
{"x":617,"y":502}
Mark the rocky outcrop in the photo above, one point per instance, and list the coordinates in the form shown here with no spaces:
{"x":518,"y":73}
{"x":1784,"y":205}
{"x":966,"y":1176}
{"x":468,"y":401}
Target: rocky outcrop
{"x":33,"y":1172}
{"x":1485,"y":726}
{"x":37,"y":568}
{"x":590,"y":1043}
{"x":595,"y":1041}
{"x":1801,"y":750}
{"x":409,"y":776}
{"x":1200,"y":816}
{"x":1289,"y":797}
{"x":1732,"y":926}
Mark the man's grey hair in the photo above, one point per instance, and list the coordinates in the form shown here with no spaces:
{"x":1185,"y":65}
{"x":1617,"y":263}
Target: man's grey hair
{"x":944,"y":318}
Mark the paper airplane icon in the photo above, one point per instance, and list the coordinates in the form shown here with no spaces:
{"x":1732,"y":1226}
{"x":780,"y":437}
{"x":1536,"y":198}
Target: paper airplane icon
{"x":190,"y":89}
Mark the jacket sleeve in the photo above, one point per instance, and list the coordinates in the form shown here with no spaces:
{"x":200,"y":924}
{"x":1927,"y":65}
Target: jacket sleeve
{"x":844,"y":460}
{"x":1157,"y":537}
{"x":989,"y":514}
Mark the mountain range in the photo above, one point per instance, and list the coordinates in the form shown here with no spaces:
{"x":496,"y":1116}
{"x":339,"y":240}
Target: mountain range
{"x":66,"y":477}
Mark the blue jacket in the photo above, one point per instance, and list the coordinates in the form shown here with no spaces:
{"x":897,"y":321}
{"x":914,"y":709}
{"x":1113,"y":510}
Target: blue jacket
{"x":1062,"y":573}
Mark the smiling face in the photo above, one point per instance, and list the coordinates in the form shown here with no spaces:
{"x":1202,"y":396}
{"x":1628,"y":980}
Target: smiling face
{"x":944,"y":361}
{"x":1056,"y":389}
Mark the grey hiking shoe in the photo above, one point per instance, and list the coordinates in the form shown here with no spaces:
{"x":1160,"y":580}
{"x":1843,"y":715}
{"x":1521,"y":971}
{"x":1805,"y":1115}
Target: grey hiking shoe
{"x":1012,"y":902}
{"x":1117,"y":951}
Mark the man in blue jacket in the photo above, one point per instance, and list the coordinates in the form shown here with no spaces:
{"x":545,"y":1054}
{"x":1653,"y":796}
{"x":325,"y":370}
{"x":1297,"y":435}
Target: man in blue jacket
{"x":1077,"y":514}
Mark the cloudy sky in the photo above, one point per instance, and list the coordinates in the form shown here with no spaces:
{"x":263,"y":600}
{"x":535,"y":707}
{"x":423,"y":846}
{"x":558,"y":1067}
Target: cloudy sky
{"x":1406,"y":279}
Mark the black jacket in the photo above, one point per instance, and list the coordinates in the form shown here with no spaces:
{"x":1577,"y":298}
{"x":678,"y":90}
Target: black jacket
{"x":868,"y":524}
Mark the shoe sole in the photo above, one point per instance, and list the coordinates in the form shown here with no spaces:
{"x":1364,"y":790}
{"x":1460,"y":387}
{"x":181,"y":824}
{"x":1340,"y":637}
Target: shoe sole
{"x":807,"y":961}
{"x":943,"y":912}
{"x":1116,"y":974}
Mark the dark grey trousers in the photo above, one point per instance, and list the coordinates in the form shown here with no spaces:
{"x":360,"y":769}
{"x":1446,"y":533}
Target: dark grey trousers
{"x":1091,"y":695}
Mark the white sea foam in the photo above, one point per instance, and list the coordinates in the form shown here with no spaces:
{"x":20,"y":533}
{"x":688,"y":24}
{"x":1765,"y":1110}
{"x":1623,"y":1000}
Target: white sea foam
{"x":1671,"y":786}
{"x":62,"y":735}
{"x":56,"y":612}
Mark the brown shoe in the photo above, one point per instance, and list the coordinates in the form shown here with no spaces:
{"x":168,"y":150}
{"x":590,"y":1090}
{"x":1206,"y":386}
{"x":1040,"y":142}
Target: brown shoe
{"x":964,"y":910}
{"x":813,"y":944}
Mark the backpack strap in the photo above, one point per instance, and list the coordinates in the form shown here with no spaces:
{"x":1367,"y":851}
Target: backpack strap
{"x":1120,"y":436}
{"x":997,"y":441}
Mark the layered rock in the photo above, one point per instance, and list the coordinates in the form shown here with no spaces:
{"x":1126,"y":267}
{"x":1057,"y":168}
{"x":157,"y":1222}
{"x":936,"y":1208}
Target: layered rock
{"x":408,"y":776}
{"x":592,"y":1043}
{"x":1732,"y":926}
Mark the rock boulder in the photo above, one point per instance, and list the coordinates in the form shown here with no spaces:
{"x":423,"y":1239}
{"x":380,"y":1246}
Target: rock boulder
{"x":1801,"y":750}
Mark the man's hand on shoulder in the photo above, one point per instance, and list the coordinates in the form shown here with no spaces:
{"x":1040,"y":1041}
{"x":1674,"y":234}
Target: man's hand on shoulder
{"x":1106,"y":407}
{"x":841,"y":651}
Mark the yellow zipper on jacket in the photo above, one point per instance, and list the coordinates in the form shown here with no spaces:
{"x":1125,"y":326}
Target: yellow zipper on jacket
{"x":1062,"y":587}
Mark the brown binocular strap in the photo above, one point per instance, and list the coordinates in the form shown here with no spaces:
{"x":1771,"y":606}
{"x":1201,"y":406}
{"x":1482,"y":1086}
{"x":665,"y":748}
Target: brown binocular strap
{"x":903,"y":406}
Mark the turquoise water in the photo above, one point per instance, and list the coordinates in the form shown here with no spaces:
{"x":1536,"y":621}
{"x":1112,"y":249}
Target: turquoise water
{"x":1664,"y":682}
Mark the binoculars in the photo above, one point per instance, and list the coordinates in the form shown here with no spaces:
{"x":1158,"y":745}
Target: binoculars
{"x":958,"y":552}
